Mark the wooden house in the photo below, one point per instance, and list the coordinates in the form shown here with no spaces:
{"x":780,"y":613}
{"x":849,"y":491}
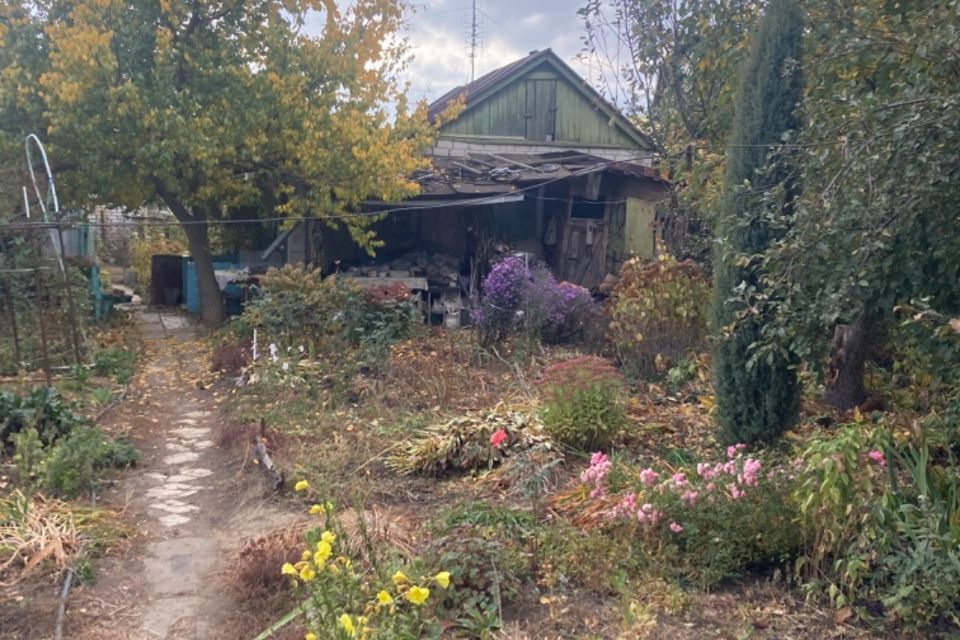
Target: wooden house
{"x":537,"y":162}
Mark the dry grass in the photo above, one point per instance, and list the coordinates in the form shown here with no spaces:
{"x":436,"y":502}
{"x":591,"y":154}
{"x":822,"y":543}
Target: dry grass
{"x":32,"y":531}
{"x":442,"y":371}
{"x":254,"y":575}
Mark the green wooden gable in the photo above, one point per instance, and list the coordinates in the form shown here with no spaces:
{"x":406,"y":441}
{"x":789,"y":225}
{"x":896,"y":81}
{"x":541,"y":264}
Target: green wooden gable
{"x":539,"y":98}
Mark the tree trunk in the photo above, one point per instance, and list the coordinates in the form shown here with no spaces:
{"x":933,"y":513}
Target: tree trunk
{"x":844,"y":388}
{"x":211,"y":308}
{"x":194,"y":225}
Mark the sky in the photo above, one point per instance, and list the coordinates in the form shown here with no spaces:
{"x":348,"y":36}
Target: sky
{"x":509,"y":29}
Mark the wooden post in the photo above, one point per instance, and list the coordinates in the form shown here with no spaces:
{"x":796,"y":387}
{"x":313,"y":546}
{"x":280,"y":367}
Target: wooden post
{"x":13,"y":324}
{"x":8,"y":290}
{"x":38,"y":281}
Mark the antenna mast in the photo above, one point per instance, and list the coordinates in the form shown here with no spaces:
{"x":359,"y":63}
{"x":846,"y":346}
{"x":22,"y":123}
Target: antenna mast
{"x":474,"y":40}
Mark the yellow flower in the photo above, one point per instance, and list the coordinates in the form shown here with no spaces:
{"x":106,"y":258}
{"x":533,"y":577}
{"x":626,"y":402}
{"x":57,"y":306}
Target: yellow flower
{"x":384,"y":598}
{"x":323,"y":552}
{"x":305,"y":555}
{"x":417,"y":595}
{"x":310,"y":636}
{"x":328,"y":537}
{"x":301,"y":485}
{"x":400,"y":578}
{"x":442,"y":579}
{"x":316,"y":510}
{"x":307,"y":573}
{"x":334,"y":569}
{"x":347,"y":625}
{"x":288,"y":570}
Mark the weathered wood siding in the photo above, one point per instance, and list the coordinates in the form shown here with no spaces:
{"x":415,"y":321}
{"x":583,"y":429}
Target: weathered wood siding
{"x":541,"y":105}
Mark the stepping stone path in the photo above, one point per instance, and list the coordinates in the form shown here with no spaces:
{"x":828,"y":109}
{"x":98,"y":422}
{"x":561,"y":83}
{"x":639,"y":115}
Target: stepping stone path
{"x":179,"y":496}
{"x":192,"y":503}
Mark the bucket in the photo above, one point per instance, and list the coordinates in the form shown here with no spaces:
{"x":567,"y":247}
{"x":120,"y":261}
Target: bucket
{"x":451,"y":320}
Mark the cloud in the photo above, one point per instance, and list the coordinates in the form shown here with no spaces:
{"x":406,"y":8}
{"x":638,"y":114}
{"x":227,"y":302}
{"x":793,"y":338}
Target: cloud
{"x":437,"y":33}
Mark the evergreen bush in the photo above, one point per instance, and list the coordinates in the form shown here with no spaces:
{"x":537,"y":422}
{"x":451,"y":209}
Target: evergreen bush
{"x":757,"y":398}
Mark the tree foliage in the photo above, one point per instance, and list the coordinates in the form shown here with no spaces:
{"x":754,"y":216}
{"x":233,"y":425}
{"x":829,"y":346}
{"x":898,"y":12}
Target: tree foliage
{"x":214,"y":105}
{"x":22,"y":55}
{"x":672,"y":65}
{"x":876,"y":226}
{"x":757,"y":398}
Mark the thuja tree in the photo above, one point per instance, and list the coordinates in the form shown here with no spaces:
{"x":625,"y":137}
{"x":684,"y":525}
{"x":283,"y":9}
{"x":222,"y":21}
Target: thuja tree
{"x":756,"y":397}
{"x":209,"y":106}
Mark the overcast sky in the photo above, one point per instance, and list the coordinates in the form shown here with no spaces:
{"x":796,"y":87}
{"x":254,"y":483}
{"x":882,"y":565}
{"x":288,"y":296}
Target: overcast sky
{"x":509,"y":30}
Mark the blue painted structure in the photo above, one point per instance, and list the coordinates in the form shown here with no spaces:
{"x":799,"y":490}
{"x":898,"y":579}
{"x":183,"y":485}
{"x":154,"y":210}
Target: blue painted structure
{"x":191,"y":289}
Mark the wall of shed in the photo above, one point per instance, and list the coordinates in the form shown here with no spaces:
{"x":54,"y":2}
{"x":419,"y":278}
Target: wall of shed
{"x":632,"y":215}
{"x":518,"y":110}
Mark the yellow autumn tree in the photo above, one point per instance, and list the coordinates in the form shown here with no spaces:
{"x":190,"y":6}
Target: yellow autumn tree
{"x":211,"y":106}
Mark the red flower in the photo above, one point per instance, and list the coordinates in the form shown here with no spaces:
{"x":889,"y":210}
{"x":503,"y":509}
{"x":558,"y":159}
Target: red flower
{"x":497,"y":438}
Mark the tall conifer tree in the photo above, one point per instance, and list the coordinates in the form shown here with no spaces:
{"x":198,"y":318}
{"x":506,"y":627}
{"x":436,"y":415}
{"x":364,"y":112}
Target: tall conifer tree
{"x":756,"y":397}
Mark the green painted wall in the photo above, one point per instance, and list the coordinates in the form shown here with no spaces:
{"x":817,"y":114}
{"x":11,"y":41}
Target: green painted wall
{"x":536,"y":104}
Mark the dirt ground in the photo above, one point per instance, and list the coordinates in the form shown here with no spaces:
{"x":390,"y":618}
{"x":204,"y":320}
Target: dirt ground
{"x":190,"y":502}
{"x":196,"y":502}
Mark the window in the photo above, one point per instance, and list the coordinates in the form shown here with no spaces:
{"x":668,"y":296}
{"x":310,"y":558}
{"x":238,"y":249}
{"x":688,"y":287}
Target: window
{"x":588,"y":209}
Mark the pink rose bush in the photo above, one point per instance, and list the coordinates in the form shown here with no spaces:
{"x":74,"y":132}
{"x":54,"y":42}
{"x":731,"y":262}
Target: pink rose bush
{"x":713,"y":518}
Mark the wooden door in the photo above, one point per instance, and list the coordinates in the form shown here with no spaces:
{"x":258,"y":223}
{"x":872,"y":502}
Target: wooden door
{"x":541,"y":111}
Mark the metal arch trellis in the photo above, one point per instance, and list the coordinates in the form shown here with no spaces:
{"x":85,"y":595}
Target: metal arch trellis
{"x":51,"y":198}
{"x":51,"y":220}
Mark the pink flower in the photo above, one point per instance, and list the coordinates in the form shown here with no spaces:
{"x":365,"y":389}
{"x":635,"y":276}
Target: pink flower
{"x":626,"y":507}
{"x":648,"y":477}
{"x":733,"y":449}
{"x":711,"y":486}
{"x":735,"y":492}
{"x":598,"y":458}
{"x":497,"y":438}
{"x":679,"y":479}
{"x":750,"y":469}
{"x":647,"y":514}
{"x":676,"y":528}
{"x":599,"y":468}
{"x":705,"y":471}
{"x":690,"y":497}
{"x":878,"y":457}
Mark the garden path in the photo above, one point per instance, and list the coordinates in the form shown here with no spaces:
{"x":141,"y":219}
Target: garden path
{"x":190,"y":499}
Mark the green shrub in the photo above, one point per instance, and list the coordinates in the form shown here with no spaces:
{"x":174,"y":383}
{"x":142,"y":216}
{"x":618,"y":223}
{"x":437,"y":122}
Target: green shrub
{"x":115,"y":362}
{"x":74,"y":464}
{"x":372,"y":597}
{"x":487,"y":568}
{"x":837,"y":493}
{"x":702,"y":524}
{"x":882,"y":526}
{"x":42,"y":408}
{"x":299,"y":307}
{"x":583,"y":402}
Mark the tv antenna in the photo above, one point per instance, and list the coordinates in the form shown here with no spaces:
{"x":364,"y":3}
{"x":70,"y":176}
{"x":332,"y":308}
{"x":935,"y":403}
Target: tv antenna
{"x":474,"y":40}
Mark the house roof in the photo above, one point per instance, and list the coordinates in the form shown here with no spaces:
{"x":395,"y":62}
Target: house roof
{"x":486,"y":85}
{"x":485,"y":174}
